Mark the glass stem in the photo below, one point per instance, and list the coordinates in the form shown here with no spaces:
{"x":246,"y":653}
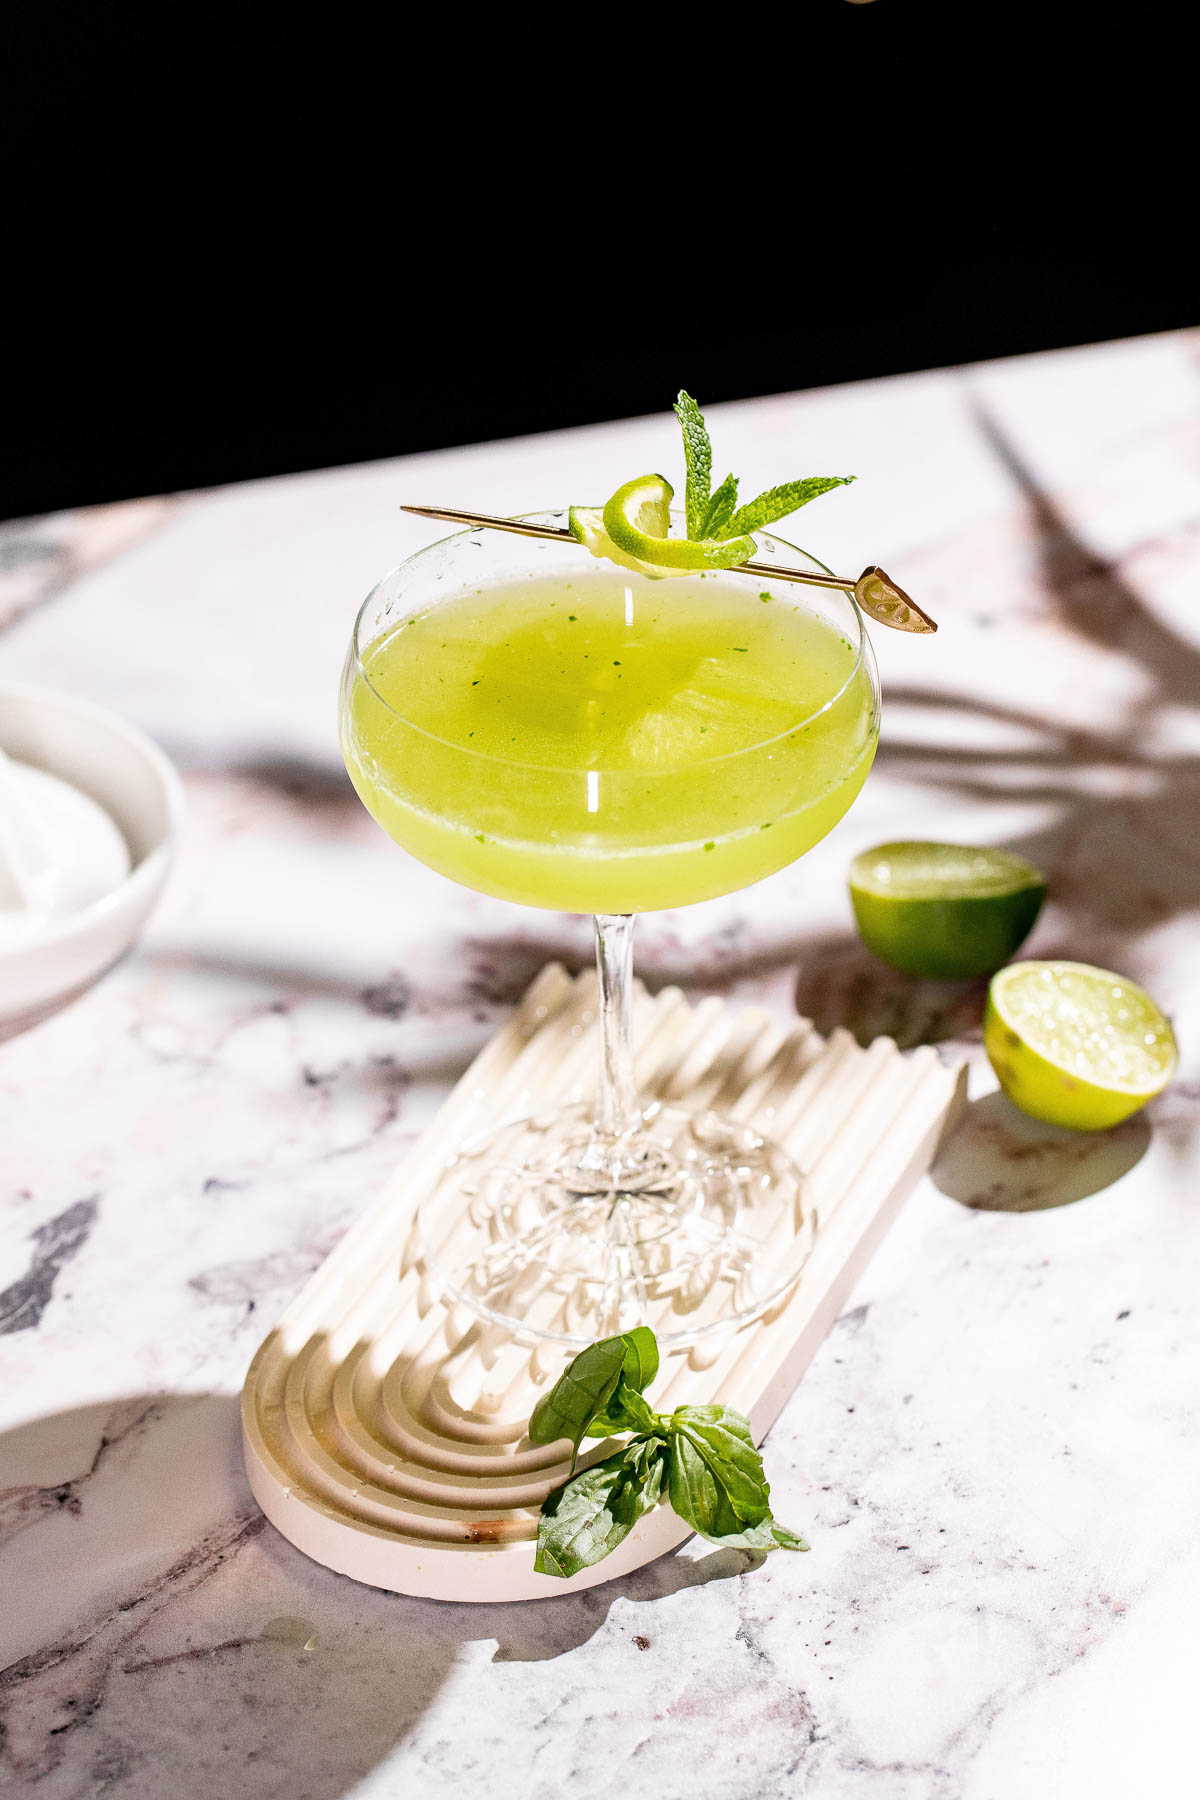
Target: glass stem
{"x":617,"y":1111}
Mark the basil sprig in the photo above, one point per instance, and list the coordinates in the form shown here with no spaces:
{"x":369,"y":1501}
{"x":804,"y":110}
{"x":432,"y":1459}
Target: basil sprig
{"x":712,"y":515}
{"x":702,"y":1458}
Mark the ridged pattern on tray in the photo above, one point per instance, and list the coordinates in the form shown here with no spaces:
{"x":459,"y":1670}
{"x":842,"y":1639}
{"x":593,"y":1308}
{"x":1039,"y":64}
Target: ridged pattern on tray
{"x":385,"y":1430}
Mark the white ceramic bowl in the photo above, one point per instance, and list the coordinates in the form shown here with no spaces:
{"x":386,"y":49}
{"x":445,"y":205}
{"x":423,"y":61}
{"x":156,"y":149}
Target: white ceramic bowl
{"x":119,"y":767}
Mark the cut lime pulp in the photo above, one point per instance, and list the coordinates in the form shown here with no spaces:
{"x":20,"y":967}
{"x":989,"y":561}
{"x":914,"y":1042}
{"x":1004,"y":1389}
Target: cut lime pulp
{"x":944,"y":911}
{"x":1075,"y":1045}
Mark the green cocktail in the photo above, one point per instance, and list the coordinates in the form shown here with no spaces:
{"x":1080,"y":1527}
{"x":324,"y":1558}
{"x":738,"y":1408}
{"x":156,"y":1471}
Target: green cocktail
{"x":594,"y":741}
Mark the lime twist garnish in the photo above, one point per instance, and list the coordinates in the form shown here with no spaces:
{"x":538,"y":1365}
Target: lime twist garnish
{"x":948,"y":912}
{"x":1074,"y":1045}
{"x":633,"y":528}
{"x":637,"y":518}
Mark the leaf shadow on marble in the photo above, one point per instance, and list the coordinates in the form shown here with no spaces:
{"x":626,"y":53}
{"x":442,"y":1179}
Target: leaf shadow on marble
{"x":1122,"y":850}
{"x":161,"y":1639}
{"x":998,"y":1160}
{"x":1122,"y":847}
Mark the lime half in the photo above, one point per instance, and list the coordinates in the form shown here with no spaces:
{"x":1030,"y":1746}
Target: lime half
{"x":946,"y":911}
{"x":1075,"y":1045}
{"x":637,"y":517}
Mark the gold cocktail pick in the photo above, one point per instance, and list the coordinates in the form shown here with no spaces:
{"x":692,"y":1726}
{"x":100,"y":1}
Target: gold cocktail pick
{"x":876,"y":593}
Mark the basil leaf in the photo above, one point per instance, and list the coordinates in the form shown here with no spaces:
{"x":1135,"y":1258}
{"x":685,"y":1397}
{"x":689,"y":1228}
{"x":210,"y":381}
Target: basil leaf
{"x":720,"y":507}
{"x":582,"y":1391}
{"x":697,"y":454}
{"x":701,"y":1501}
{"x":704,"y":1456}
{"x":641,"y":1357}
{"x":699,"y":1492}
{"x":787,"y":1540}
{"x":585,"y":1519}
{"x":778,"y":502}
{"x":626,"y":1411}
{"x":722,"y":1437}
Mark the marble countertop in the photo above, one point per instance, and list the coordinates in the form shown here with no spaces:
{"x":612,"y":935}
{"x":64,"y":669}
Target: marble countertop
{"x":994,"y":1454}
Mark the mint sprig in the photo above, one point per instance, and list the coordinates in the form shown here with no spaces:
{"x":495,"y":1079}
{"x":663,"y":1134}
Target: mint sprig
{"x":712,"y":515}
{"x":702,"y":1458}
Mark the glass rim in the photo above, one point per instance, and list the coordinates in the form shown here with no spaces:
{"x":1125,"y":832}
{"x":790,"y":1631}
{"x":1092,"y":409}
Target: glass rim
{"x":483,"y":756}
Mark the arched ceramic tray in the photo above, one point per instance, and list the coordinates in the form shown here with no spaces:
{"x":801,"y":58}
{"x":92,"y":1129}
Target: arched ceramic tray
{"x":384,"y":1423}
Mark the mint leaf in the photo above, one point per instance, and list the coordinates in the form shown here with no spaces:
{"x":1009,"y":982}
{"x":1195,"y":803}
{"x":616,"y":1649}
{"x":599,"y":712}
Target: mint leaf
{"x":585,"y":1519}
{"x":720,"y":507}
{"x":582,"y":1391}
{"x":697,"y":454}
{"x":778,"y":502}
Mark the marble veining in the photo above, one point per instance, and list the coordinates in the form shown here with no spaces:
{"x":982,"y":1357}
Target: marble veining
{"x":994,"y":1454}
{"x":54,"y":1243}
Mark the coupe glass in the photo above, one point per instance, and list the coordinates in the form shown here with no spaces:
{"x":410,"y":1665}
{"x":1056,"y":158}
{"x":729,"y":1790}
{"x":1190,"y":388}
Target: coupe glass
{"x":569,"y":1224}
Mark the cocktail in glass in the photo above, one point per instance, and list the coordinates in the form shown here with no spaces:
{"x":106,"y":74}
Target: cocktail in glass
{"x":547,"y":727}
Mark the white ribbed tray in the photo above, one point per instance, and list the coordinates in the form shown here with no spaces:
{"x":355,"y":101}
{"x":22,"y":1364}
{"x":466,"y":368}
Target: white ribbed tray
{"x":384,"y":1430}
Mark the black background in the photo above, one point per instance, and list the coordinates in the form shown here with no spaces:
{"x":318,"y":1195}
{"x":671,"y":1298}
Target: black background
{"x":239,"y":252}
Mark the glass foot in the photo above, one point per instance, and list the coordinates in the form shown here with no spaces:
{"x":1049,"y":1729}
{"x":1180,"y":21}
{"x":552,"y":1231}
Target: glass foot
{"x":691,"y":1223}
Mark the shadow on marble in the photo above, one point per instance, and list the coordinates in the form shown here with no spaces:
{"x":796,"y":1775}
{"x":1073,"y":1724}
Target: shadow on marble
{"x":1122,"y":850}
{"x":998,"y":1160}
{"x":161,"y":1639}
{"x":495,"y":973}
{"x":315,"y":781}
{"x":540,"y":1630}
{"x":287,"y":985}
{"x":841,"y":984}
{"x":291,"y":981}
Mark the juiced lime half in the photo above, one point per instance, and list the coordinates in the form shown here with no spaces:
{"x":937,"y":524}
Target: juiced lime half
{"x":1075,"y":1045}
{"x":945,"y":911}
